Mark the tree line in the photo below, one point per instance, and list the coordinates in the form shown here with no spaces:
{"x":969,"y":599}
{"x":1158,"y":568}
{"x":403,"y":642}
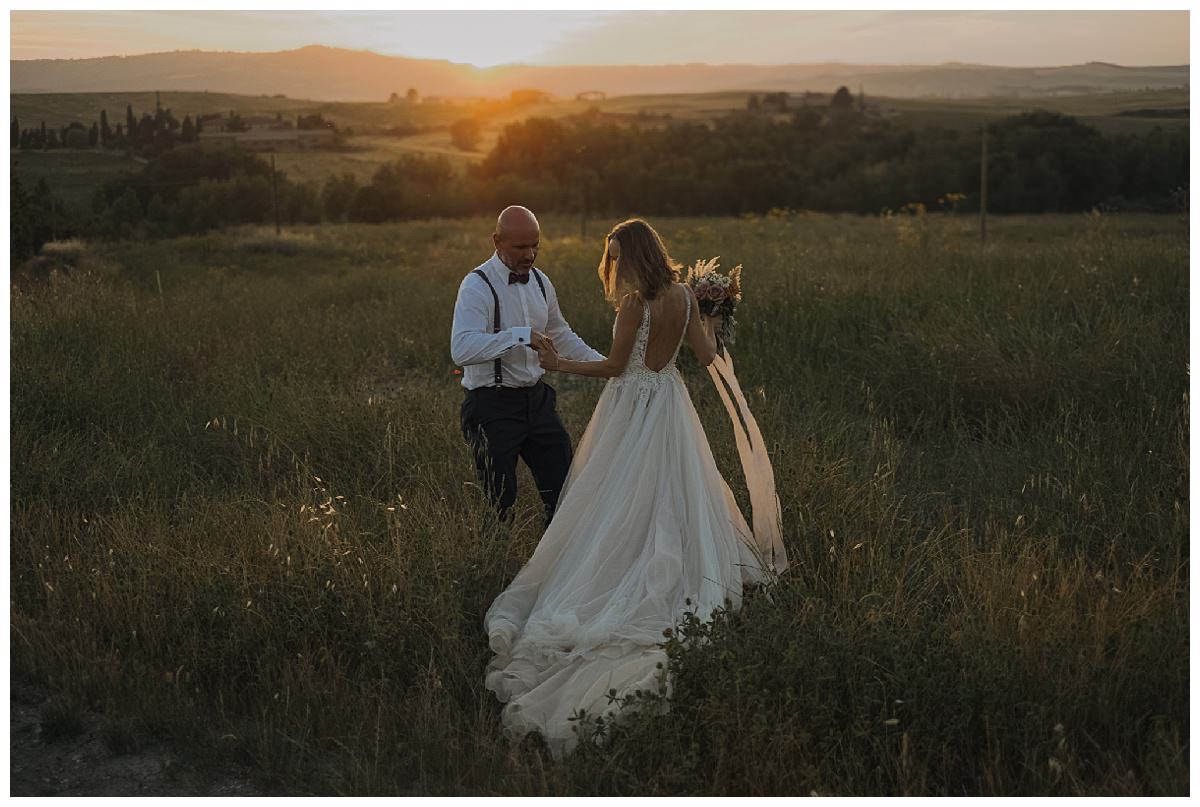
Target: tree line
{"x":146,"y":135}
{"x":834,"y":159}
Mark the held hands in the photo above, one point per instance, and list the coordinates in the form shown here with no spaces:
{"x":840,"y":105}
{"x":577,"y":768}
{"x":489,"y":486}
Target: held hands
{"x":547,"y":353}
{"x":548,"y":356}
{"x":538,"y":340}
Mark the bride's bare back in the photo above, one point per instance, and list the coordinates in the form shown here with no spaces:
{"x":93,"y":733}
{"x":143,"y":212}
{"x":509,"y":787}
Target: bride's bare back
{"x":668,"y":315}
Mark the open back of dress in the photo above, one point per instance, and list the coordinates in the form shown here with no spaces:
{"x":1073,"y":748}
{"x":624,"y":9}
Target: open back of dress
{"x":668,"y":314}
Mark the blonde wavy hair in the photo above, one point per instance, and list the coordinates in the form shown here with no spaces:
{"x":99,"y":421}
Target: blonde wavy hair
{"x":644,"y":265}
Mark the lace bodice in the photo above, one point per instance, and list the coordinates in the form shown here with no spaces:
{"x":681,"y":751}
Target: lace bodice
{"x":636,"y":372}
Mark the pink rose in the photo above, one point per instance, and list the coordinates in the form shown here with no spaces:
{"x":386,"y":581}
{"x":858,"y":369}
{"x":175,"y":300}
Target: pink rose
{"x":716,"y":292}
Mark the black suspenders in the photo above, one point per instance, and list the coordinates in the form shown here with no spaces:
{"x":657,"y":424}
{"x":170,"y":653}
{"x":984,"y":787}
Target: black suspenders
{"x":495,"y":317}
{"x":541,"y":285}
{"x":496,"y":308}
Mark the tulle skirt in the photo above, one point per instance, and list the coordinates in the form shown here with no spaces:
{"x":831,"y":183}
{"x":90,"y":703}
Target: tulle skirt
{"x":644,"y":523}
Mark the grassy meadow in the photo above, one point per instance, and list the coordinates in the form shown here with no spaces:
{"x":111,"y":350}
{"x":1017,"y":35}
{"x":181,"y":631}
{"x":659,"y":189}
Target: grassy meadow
{"x":243,"y":515}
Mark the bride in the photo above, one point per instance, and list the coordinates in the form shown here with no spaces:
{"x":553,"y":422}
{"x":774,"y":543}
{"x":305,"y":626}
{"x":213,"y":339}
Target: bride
{"x":646,"y":528}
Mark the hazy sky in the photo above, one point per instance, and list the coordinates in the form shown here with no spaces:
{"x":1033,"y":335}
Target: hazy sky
{"x":1017,"y":38}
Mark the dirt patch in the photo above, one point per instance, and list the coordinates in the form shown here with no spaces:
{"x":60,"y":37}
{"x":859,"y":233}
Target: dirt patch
{"x":57,"y":751}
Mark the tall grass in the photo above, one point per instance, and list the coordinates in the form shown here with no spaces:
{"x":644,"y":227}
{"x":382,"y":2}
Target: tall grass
{"x":242,"y":511}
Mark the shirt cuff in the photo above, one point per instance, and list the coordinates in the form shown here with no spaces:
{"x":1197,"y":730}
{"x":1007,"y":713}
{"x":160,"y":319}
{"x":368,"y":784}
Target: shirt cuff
{"x":522,"y":335}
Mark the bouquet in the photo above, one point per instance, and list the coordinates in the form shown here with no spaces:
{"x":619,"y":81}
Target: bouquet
{"x":718,"y":294}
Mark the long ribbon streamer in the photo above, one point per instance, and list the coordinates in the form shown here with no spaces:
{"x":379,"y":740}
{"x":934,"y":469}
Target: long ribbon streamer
{"x":766,"y":515}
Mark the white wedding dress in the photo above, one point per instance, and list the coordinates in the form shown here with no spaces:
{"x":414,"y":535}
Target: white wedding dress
{"x":644,"y":522}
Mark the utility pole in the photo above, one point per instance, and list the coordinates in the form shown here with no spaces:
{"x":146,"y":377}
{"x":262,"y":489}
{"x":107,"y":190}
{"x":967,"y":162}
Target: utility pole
{"x":275,"y":192}
{"x":983,"y":162}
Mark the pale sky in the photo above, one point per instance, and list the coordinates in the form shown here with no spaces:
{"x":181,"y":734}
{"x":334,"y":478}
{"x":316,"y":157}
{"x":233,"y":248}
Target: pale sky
{"x":488,"y":38}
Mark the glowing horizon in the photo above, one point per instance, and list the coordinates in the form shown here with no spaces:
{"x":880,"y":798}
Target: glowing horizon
{"x":591,"y":38}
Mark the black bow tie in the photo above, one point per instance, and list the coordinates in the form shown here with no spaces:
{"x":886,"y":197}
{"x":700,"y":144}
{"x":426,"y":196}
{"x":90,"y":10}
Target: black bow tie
{"x":514,"y":277}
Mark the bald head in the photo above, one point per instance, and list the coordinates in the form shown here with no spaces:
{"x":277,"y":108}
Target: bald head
{"x":515,"y":218}
{"x":517,"y":237}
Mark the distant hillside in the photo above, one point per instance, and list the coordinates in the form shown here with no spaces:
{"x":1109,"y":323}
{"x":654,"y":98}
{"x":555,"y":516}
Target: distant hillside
{"x":332,"y":74}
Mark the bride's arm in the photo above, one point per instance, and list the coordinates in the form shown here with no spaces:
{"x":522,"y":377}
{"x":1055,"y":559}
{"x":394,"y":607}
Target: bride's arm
{"x":702,"y":332}
{"x":629,"y":316}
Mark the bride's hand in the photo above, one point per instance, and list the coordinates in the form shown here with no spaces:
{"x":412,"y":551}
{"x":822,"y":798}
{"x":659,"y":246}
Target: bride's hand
{"x":547,"y":356}
{"x":715,"y":322}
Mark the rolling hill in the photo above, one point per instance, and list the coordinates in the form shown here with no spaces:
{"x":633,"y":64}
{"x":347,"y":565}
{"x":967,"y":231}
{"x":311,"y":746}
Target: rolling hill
{"x":333,"y":74}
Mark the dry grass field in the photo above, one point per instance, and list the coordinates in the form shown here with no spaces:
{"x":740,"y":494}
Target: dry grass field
{"x":244,"y":522}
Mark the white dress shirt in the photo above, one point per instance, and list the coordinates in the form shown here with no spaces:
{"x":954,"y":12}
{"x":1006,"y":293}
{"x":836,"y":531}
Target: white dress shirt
{"x":475,"y":346}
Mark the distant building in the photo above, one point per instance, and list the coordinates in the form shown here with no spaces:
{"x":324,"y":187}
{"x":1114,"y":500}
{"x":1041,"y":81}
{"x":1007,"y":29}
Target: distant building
{"x":591,"y":95}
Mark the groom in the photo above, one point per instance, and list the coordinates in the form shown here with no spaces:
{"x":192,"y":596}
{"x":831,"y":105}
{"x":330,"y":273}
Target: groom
{"x":500,"y":319}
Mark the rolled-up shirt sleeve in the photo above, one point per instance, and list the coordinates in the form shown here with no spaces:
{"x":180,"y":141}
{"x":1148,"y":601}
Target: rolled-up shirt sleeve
{"x":566,"y":341}
{"x":471,"y":338}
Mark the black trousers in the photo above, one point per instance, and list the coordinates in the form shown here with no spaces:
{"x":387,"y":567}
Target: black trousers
{"x":503,"y":423}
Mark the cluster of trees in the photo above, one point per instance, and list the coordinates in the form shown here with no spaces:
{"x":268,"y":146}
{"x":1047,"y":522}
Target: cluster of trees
{"x":832,"y":159}
{"x":74,"y":136}
{"x":146,"y":135}
{"x":466,"y":133}
{"x":772,"y":100}
{"x":36,"y":216}
{"x":193,"y":189}
{"x":411,"y":96}
{"x":189,"y":189}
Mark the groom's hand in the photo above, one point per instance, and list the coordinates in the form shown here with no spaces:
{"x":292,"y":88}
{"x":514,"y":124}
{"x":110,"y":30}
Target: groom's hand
{"x":539,"y":341}
{"x":547,"y":355}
